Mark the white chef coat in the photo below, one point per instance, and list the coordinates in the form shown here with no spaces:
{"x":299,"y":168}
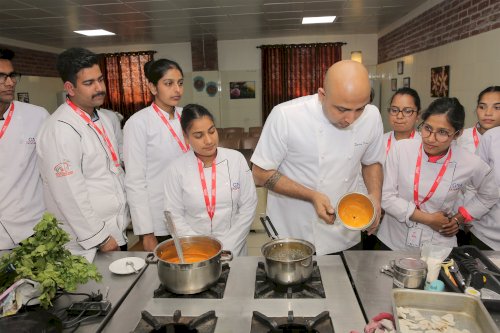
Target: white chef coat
{"x":463,"y":169}
{"x":466,"y":140}
{"x":21,"y":194}
{"x":236,"y":198}
{"x":301,"y":143}
{"x":487,"y":229}
{"x":83,"y":187}
{"x":117,"y":128}
{"x":362,"y":187}
{"x":148,"y":148}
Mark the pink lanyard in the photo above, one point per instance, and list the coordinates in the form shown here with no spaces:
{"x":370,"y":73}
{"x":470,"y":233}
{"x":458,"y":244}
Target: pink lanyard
{"x":7,"y":120}
{"x":436,"y":181}
{"x":166,"y":122}
{"x":475,"y":137}
{"x":390,"y":139}
{"x":102,"y":133}
{"x":210,"y":206}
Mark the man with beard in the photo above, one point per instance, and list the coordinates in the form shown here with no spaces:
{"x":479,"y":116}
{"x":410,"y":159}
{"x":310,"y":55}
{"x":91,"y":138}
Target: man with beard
{"x":79,"y":161}
{"x":21,"y":194}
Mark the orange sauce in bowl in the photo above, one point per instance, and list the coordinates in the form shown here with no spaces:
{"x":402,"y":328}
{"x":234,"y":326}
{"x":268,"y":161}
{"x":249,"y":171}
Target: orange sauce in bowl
{"x":188,"y":258}
{"x":356,"y":211}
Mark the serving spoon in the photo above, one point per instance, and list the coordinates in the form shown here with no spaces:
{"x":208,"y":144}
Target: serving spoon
{"x":173,"y":233}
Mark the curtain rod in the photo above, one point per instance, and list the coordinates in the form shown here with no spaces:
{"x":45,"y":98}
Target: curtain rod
{"x":300,"y":45}
{"x":128,"y":53}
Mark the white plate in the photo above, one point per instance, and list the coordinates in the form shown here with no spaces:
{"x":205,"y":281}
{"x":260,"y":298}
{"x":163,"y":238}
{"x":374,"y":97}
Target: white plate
{"x":120,"y":266}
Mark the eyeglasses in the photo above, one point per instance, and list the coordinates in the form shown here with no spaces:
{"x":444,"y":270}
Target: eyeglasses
{"x":407,"y":112}
{"x":15,"y":77}
{"x":441,"y":135}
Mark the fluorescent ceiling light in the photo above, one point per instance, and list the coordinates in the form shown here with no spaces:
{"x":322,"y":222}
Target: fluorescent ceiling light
{"x":96,"y":32}
{"x":318,"y":19}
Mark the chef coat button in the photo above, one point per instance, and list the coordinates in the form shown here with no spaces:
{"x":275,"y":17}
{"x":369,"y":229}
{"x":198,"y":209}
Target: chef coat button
{"x":346,"y":180}
{"x":349,"y":157}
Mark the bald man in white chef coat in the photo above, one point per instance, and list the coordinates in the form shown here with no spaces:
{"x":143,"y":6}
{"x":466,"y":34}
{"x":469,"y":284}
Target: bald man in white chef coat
{"x":309,"y":155}
{"x":21,"y":193}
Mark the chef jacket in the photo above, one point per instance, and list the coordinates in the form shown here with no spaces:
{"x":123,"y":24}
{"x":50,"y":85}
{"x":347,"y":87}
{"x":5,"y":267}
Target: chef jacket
{"x":487,"y":228}
{"x":466,"y":140}
{"x":83,"y":187}
{"x":463,"y":169}
{"x":148,"y":148}
{"x":117,"y":128}
{"x":301,"y":143}
{"x":362,"y":187}
{"x":236,"y":198}
{"x":21,"y":194}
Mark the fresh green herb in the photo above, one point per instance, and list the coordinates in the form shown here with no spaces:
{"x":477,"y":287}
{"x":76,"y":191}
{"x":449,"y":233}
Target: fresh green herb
{"x":43,"y":258}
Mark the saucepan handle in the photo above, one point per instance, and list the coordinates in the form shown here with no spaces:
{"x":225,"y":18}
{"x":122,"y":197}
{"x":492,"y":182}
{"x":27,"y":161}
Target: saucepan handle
{"x":226,"y":255}
{"x":151,"y":258}
{"x":267,"y":221}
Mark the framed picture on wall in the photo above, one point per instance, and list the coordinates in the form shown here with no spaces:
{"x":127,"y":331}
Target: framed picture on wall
{"x":23,"y":97}
{"x":242,"y":89}
{"x":440,"y":81}
{"x":401,"y":66}
{"x":406,"y":82}
{"x":394,"y":84}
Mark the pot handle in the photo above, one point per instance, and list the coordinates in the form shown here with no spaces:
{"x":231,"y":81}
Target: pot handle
{"x":226,"y":255}
{"x":151,"y":258}
{"x":264,"y":223}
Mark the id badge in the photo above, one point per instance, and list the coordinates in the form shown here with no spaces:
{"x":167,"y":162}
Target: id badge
{"x":414,"y":237}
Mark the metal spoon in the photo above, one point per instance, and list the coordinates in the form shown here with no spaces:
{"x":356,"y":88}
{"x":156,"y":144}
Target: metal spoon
{"x":177,"y":243}
{"x":131,"y":264}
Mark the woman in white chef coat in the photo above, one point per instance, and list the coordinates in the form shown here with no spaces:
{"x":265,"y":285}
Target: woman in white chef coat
{"x":152,"y":139}
{"x":210,"y":190}
{"x":422,"y":181}
{"x":486,"y":231}
{"x":488,"y":116}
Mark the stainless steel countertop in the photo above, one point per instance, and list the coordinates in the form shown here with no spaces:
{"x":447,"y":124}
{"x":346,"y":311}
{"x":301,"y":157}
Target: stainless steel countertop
{"x":234,"y":311}
{"x":373,"y":287}
{"x":118,"y":286}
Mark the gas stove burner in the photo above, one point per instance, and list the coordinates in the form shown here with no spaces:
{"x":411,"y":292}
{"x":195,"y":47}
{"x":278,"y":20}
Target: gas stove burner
{"x":204,"y":323}
{"x":265,"y":288}
{"x":216,"y":291}
{"x":321,"y":323}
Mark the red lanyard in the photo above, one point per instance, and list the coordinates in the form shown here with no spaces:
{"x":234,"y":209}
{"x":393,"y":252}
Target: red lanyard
{"x":436,"y":181}
{"x":160,"y":114}
{"x":102,"y":133}
{"x":475,"y":137}
{"x":7,"y":120}
{"x":210,"y":206}
{"x":390,"y":139}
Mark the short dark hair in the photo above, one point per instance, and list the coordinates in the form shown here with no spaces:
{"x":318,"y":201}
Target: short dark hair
{"x":408,"y":91}
{"x":72,"y":61}
{"x":191,"y":112}
{"x":6,"y":54}
{"x":487,"y":90}
{"x":451,"y":107}
{"x":155,"y":69}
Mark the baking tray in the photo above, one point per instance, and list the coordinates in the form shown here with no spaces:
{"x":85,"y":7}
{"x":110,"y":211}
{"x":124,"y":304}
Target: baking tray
{"x":468,"y":311}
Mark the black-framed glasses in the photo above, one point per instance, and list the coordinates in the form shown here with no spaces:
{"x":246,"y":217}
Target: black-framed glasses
{"x":394,"y":111}
{"x":14,"y":76}
{"x":441,"y":134}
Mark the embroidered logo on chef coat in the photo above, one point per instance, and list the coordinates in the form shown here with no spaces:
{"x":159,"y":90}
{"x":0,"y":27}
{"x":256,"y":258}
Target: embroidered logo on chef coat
{"x":362,"y":143}
{"x":63,"y":169}
{"x":31,"y":141}
{"x":236,"y":186}
{"x":456,"y":186}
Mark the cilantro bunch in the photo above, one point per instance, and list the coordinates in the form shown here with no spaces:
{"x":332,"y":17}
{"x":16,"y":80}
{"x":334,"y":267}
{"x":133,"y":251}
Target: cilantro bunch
{"x":43,"y":258}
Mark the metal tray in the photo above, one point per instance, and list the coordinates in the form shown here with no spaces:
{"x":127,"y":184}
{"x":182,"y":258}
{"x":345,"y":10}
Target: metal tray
{"x":468,"y":311}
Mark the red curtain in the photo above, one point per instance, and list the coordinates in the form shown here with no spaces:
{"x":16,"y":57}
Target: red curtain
{"x":126,"y":84}
{"x":291,"y":71}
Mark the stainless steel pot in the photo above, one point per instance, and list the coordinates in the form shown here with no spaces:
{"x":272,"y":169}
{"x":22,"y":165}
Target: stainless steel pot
{"x":194,"y":277}
{"x":407,"y":273}
{"x":288,"y":261}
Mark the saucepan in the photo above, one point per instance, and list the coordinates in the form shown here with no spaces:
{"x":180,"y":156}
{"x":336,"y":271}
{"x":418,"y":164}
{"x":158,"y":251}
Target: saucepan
{"x":202,"y":267}
{"x":288,"y":260}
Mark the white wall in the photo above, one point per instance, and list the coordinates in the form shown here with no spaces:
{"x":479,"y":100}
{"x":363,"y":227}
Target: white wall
{"x":42,"y":90}
{"x":474,"y":65}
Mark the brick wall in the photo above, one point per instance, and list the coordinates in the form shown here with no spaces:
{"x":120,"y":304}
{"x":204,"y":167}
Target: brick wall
{"x":444,"y":23}
{"x":32,"y":62}
{"x":204,"y":54}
